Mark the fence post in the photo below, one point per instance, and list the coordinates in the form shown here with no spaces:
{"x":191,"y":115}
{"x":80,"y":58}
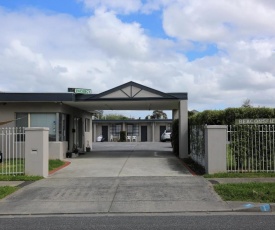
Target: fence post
{"x":37,"y":151}
{"x":215,"y":148}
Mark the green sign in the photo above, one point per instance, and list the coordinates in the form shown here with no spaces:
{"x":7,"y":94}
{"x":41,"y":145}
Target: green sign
{"x":80,"y":90}
{"x":255,"y":121}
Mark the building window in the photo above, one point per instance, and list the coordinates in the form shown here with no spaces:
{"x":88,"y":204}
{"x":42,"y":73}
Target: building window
{"x":132,"y":130}
{"x":44,"y":120}
{"x":87,"y":125}
{"x":63,"y":129}
{"x":21,"y":122}
{"x":115,"y":130}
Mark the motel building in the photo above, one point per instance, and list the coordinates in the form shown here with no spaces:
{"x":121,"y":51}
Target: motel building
{"x":69,"y":115}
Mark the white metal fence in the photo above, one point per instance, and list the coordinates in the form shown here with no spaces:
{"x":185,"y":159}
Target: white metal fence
{"x":12,"y":147}
{"x":251,"y":148}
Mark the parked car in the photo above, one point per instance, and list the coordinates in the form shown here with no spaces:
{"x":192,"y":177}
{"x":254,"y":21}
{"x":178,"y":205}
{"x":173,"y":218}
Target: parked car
{"x":166,"y":136}
{"x":100,"y":138}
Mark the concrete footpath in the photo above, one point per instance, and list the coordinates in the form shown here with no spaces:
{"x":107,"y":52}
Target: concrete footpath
{"x":119,"y":178}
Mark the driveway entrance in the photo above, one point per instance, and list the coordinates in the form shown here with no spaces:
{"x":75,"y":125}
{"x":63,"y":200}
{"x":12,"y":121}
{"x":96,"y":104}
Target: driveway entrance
{"x":125,"y":159}
{"x":118,"y":178}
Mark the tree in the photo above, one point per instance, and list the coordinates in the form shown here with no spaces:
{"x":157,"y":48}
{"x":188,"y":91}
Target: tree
{"x":157,"y":114}
{"x":115,"y":117}
{"x":247,"y":104}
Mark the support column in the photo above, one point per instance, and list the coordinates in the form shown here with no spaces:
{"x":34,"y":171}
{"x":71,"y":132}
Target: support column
{"x":215,"y":148}
{"x":37,"y":151}
{"x":183,"y":129}
{"x":175,"y":114}
{"x":153,"y":131}
{"x":94,"y":132}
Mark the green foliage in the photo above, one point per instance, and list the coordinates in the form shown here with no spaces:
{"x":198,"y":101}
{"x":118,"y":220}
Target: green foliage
{"x":6,"y":190}
{"x":239,"y":175}
{"x":157,"y":114}
{"x":12,"y":165}
{"x":19,"y":178}
{"x":229,"y":115}
{"x":115,"y":117}
{"x":251,"y":148}
{"x":122,"y":136}
{"x":252,"y":192}
{"x":175,"y":136}
{"x":53,"y":164}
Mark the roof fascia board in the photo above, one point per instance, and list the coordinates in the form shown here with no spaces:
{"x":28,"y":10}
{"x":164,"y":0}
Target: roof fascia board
{"x":36,"y":97}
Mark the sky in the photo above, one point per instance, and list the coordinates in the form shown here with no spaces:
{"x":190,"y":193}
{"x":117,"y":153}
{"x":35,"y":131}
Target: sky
{"x":221,"y":52}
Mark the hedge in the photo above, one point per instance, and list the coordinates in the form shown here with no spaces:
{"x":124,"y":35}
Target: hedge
{"x":229,"y":115}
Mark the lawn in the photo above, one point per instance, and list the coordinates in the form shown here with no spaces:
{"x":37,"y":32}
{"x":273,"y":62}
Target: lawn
{"x":54,"y":164}
{"x":16,"y":166}
{"x":239,"y":175}
{"x":251,"y":192}
{"x":6,"y":190}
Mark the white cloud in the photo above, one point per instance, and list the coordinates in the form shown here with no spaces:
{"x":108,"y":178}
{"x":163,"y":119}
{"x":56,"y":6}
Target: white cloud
{"x":219,"y":20}
{"x":51,"y":52}
{"x":119,"y":6}
{"x":116,"y":38}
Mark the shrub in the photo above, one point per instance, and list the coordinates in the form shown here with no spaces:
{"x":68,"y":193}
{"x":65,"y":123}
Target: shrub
{"x":229,"y":115}
{"x":175,"y":136}
{"x":122,"y":136}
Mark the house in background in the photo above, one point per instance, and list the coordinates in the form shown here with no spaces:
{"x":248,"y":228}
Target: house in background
{"x":142,"y":129}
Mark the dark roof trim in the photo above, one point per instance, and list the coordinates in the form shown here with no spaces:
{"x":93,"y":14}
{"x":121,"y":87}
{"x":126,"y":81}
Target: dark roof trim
{"x":35,"y":97}
{"x":183,"y":96}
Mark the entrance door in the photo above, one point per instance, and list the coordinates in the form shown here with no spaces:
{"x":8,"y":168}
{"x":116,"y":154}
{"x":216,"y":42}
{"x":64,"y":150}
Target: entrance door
{"x":143,"y":133}
{"x":161,"y":130}
{"x":78,"y":132}
{"x":105,"y":132}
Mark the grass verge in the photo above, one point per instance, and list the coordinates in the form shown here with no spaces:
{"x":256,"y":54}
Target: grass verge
{"x":53,"y":164}
{"x":239,"y":175}
{"x":7,"y":190}
{"x":19,"y":178}
{"x":252,"y":192}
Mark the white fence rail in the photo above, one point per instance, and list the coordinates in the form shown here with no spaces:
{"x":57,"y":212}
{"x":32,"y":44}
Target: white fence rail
{"x":251,"y":148}
{"x":12,"y":151}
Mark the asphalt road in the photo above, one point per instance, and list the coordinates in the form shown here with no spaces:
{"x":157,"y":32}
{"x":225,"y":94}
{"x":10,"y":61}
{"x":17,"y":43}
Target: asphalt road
{"x":140,"y":222}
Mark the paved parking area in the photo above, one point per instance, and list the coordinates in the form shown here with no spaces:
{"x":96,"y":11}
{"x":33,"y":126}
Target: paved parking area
{"x":122,"y":178}
{"x":114,"y":159}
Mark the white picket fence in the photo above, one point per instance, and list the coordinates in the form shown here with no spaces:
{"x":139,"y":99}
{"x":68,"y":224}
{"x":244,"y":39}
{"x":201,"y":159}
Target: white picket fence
{"x":12,"y":151}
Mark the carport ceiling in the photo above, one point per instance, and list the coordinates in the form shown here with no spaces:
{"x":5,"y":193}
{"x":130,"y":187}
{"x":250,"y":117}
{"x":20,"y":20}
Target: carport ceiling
{"x":160,"y":104}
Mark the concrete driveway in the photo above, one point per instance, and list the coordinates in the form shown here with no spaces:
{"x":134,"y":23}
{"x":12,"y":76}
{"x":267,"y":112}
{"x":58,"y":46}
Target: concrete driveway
{"x":118,"y":178}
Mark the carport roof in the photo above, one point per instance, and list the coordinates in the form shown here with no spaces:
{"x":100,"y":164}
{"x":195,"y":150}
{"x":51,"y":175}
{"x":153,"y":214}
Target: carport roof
{"x":128,"y":96}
